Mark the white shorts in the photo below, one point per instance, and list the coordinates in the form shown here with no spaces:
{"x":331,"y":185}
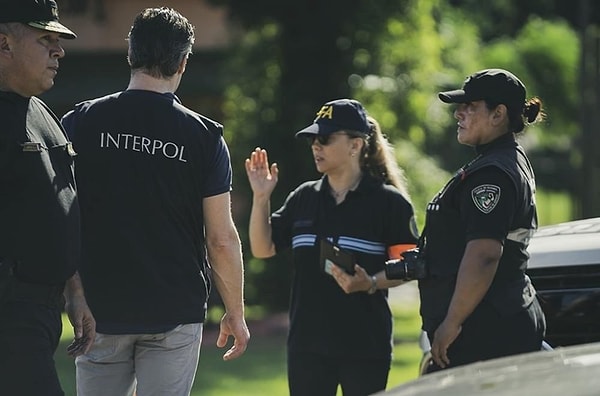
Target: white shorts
{"x":162,"y":364}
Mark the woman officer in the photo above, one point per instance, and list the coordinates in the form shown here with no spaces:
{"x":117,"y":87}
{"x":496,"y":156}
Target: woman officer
{"x":340,"y":324}
{"x":476,"y":302}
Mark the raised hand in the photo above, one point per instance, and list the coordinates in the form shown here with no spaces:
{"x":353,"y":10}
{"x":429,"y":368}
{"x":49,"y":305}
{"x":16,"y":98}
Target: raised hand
{"x":261,"y":176}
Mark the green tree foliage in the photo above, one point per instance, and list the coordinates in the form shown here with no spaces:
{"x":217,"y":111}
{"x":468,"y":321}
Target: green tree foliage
{"x":400,"y":93}
{"x":550,"y":74}
{"x":504,"y":18}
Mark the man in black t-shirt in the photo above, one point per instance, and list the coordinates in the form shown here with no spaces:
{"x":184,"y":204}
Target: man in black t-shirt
{"x":39,"y":211}
{"x":154,"y":179}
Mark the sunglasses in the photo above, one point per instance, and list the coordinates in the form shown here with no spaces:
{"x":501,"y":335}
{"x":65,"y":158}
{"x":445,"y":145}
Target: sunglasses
{"x":323,"y":140}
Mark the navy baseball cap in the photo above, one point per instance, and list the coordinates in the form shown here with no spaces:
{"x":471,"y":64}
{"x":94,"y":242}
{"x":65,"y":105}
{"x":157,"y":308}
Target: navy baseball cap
{"x":40,"y":14}
{"x":337,"y":115}
{"x":495,"y":85}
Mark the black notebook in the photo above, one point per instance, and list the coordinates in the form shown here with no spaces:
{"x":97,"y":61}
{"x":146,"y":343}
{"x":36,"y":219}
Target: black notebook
{"x":334,"y":255}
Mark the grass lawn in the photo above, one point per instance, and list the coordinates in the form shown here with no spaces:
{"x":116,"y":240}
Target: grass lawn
{"x":261,"y":371}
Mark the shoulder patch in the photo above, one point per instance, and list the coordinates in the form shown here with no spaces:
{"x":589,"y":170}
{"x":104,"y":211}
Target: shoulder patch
{"x":486,"y":197}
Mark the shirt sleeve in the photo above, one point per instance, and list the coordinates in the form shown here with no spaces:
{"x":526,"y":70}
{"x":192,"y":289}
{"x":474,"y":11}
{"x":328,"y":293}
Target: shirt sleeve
{"x":401,"y":227}
{"x":281,"y":224}
{"x":219,"y":178}
{"x":487,"y":204}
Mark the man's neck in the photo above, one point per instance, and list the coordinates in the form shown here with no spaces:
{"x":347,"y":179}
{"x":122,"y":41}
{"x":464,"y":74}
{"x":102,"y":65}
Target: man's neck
{"x":143,"y":81}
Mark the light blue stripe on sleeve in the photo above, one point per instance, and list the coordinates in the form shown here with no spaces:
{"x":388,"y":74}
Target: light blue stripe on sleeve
{"x":361,"y":245}
{"x":304,"y":240}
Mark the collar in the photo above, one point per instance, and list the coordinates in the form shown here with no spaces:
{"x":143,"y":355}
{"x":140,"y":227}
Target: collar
{"x":508,"y":139}
{"x":13,"y":96}
{"x":167,"y":95}
{"x":366,"y":184}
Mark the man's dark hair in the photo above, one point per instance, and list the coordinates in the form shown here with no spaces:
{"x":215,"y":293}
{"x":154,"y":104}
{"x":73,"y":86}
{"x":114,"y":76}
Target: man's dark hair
{"x":159,"y":40}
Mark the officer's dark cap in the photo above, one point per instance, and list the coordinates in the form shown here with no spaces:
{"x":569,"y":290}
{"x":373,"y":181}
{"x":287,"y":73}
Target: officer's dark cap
{"x":337,"y":115}
{"x":492,"y":85}
{"x":40,"y":14}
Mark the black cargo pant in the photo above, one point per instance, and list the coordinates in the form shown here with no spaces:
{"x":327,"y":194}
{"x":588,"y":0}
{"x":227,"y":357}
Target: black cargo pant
{"x":489,"y":334}
{"x":311,"y":374}
{"x":29,"y":335}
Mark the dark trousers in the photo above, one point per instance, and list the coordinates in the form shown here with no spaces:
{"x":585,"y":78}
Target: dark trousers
{"x":311,"y":374}
{"x":488,"y":334}
{"x":29,"y":336}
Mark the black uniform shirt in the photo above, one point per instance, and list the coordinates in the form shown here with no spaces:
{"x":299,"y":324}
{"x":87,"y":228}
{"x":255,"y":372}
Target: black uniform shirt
{"x":323,"y":318}
{"x":39,"y":212}
{"x":145,"y":164}
{"x":485,"y":199}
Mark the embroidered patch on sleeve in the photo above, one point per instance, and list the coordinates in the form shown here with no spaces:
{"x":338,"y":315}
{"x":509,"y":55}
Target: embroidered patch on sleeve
{"x":486,"y":197}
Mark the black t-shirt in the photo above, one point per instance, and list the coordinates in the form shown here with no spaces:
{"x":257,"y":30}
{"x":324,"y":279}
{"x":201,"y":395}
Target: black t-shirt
{"x":144,"y":165}
{"x":39,"y":212}
{"x":323,"y":318}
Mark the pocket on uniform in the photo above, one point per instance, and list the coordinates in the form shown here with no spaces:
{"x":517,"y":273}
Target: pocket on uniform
{"x":63,"y":152}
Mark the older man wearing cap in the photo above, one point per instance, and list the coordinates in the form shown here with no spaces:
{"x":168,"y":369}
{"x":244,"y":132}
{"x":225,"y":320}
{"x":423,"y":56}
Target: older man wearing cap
{"x":477,"y":303}
{"x":39,"y":213}
{"x":340,"y":323}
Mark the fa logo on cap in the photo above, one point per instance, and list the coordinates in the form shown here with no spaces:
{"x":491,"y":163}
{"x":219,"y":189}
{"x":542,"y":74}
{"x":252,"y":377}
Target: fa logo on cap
{"x":325,"y":112}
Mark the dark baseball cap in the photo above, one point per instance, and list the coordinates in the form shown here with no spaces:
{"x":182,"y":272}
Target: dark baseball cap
{"x":495,"y":85}
{"x":40,"y":14}
{"x":337,"y":115}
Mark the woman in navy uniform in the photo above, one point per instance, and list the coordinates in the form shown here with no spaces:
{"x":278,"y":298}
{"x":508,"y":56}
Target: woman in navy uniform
{"x":477,"y":303}
{"x":340,"y":324}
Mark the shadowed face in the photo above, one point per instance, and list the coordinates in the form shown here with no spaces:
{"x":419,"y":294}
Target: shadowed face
{"x":475,"y":124}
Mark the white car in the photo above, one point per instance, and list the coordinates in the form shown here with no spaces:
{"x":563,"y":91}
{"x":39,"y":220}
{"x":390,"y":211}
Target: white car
{"x":571,"y":371}
{"x":565,"y":270}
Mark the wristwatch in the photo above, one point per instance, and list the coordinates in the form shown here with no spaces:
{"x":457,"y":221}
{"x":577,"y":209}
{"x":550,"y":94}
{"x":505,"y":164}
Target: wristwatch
{"x":373,"y":287}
